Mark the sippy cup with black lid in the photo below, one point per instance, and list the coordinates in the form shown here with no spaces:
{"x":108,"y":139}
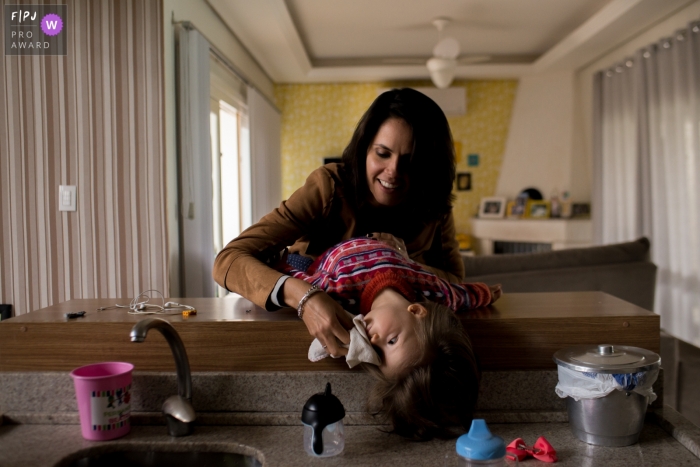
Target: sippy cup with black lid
{"x":323,"y":424}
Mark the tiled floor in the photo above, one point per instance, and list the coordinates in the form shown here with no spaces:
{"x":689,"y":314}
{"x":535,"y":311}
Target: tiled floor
{"x":681,"y":364}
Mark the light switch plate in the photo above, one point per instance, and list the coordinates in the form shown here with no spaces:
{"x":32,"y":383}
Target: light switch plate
{"x":67,"y":198}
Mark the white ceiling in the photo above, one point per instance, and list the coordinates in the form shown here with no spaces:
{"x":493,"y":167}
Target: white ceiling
{"x":365,"y":40}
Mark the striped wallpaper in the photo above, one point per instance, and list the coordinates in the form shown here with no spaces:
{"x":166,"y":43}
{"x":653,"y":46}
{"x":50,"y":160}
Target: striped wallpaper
{"x":94,"y":119}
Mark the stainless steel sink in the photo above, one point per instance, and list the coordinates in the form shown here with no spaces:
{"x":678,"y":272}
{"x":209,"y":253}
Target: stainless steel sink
{"x":163,"y":458}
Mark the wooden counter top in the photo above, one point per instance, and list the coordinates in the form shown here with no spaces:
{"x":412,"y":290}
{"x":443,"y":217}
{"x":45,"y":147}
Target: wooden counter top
{"x":521,"y":331}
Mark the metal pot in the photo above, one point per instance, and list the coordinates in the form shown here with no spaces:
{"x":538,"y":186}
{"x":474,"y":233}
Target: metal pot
{"x":616,"y":419}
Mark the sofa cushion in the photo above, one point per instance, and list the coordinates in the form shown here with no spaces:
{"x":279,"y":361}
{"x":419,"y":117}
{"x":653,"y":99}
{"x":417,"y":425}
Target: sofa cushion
{"x":637,"y":250}
{"x":633,"y":282}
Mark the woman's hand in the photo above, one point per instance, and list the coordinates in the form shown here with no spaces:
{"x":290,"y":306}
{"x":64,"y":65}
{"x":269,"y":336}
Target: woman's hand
{"x":324,"y":317}
{"x":394,"y":242}
{"x":496,"y":292}
{"x":327,"y":321}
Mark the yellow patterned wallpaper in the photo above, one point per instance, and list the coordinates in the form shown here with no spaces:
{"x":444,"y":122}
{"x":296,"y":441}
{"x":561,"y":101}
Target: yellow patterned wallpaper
{"x":318,"y":121}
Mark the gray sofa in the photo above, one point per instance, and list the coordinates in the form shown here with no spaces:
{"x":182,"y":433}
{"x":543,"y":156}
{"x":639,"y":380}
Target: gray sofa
{"x":623,"y":270}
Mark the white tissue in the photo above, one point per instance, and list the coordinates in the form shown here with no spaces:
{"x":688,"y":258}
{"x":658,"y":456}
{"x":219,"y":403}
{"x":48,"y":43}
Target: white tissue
{"x":360,"y":349}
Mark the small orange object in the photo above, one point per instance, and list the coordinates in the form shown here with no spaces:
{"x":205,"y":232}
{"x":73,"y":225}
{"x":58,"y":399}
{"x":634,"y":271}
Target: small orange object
{"x":187,"y":313}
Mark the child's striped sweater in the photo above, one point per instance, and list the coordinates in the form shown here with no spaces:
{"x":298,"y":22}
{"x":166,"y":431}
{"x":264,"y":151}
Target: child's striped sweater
{"x":356,"y":270}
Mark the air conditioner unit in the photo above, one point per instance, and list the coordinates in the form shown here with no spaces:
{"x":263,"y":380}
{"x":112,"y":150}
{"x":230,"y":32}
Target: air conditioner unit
{"x":452,"y":101}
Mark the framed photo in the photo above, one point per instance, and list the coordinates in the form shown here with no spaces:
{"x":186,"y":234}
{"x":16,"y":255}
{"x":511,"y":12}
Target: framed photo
{"x":519,"y":206}
{"x":580,"y":210}
{"x":492,"y":207}
{"x":512,"y":211}
{"x":464,"y":181}
{"x":332,"y":159}
{"x":538,"y":209}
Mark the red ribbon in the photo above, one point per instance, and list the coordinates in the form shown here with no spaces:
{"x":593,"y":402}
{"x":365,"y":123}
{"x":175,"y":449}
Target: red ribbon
{"x":542,"y":450}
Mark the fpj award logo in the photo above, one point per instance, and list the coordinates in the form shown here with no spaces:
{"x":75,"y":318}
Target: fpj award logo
{"x":35,"y":29}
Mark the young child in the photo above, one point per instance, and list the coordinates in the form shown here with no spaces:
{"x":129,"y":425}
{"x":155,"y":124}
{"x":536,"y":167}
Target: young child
{"x":428,"y":377}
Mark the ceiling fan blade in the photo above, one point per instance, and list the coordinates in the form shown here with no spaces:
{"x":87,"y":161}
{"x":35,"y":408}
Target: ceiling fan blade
{"x":403,"y":61}
{"x":447,"y":48}
{"x":470,"y":59}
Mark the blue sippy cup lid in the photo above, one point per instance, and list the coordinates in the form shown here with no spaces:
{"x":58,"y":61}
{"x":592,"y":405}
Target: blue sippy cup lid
{"x":480,"y":444}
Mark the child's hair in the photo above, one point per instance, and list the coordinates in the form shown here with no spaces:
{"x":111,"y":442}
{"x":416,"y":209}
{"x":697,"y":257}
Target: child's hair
{"x":440,"y":391}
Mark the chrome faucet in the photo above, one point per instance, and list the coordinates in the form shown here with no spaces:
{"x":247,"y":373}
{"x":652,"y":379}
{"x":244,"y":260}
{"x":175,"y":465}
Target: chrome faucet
{"x":178,"y":410}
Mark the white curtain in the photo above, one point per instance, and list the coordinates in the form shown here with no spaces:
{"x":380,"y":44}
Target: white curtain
{"x":265,"y":149}
{"x":197,"y":250}
{"x":647,"y":168}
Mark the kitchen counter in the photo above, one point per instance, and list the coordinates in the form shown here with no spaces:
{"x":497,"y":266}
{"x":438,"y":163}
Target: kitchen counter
{"x":521,"y":331}
{"x":47,"y":445}
{"x":258,"y":414}
{"x":249,"y":384}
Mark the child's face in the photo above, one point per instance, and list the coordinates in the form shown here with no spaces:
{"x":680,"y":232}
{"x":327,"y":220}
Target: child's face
{"x":392,"y":326}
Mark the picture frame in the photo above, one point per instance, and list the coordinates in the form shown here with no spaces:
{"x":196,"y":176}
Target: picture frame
{"x":332,"y":159}
{"x":492,"y":207}
{"x":511,"y":210}
{"x":538,"y":209}
{"x":580,"y":210}
{"x":519,"y":206}
{"x":464,"y":181}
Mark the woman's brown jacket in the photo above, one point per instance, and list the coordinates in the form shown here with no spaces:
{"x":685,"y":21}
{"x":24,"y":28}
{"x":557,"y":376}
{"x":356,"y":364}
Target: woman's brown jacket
{"x":316,"y":217}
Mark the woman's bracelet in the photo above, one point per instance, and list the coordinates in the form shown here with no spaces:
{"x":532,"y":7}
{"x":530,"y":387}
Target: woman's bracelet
{"x":305,"y":298}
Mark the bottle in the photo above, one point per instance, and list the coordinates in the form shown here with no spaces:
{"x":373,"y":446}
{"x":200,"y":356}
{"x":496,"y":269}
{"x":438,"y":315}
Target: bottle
{"x":323,"y":424}
{"x":555,"y":204}
{"x":565,"y":205}
{"x":480,"y":448}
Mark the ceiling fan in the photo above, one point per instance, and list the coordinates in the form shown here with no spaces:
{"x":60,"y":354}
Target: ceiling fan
{"x":443,"y":64}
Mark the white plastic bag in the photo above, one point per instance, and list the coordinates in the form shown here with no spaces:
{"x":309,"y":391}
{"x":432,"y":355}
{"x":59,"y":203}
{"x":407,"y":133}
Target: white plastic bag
{"x":579,"y":385}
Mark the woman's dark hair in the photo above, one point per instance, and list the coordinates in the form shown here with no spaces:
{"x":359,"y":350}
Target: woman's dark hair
{"x":432,"y":160}
{"x":440,"y":391}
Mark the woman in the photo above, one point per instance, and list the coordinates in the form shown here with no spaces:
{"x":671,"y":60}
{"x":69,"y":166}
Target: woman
{"x":395,"y":182}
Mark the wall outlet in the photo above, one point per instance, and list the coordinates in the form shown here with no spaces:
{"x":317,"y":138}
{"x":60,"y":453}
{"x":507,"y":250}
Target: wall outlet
{"x":67,"y":198}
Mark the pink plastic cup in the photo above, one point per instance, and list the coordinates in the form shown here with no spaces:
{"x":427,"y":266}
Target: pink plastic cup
{"x":103,"y":391}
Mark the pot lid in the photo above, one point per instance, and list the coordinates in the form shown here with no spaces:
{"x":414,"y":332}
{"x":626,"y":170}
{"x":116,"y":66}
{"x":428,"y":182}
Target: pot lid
{"x":607,"y":358}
